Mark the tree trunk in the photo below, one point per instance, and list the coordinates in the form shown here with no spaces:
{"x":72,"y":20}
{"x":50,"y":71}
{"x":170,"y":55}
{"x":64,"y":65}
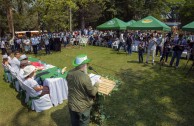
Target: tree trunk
{"x":10,"y":20}
{"x":82,"y":21}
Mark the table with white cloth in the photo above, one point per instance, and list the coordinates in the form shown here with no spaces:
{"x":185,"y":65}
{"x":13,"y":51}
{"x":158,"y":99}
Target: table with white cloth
{"x":58,"y":89}
{"x":55,"y":80}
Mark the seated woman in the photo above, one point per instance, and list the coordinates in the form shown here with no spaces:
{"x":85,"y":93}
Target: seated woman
{"x":29,"y":74}
{"x":6,"y":68}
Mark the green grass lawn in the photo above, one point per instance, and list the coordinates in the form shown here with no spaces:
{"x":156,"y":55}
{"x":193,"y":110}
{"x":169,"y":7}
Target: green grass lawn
{"x":147,"y":96}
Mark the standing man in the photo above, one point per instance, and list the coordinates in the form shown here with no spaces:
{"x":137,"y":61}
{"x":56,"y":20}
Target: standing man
{"x":34,"y":44}
{"x":159,"y":44}
{"x":122,"y":42}
{"x":3,"y":47}
{"x":47,"y":45}
{"x":81,"y":92}
{"x":151,"y":48}
{"x":129,"y":44}
{"x":178,"y":48}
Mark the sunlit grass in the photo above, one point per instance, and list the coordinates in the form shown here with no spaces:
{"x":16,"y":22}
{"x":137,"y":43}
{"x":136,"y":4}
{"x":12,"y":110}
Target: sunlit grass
{"x":148,"y":96}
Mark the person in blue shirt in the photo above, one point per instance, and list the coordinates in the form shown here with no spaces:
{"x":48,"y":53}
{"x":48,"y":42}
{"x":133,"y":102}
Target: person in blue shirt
{"x":34,"y":44}
{"x":178,"y":48}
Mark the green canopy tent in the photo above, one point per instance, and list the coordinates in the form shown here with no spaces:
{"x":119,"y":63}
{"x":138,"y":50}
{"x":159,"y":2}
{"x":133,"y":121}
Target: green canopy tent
{"x":131,"y":22}
{"x":149,"y":23}
{"x":114,"y":24}
{"x":189,"y":27}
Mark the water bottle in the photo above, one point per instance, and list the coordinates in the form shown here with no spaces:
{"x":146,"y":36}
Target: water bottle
{"x":45,"y":66}
{"x":58,"y":71}
{"x":39,"y":61}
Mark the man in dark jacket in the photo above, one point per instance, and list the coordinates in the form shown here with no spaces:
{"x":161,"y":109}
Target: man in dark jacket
{"x":81,"y":92}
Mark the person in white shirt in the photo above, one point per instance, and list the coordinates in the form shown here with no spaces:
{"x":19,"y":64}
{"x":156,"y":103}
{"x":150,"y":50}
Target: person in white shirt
{"x":3,"y":47}
{"x":151,"y":48}
{"x":29,"y":74}
{"x":15,"y":63}
{"x":122,"y":42}
{"x":27,"y":45}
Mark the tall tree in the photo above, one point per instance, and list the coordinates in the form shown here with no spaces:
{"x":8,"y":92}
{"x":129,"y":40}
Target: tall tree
{"x":186,"y":12}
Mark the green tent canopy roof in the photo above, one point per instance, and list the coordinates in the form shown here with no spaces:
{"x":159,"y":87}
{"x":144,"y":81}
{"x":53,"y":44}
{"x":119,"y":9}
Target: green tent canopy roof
{"x":189,"y":27}
{"x":113,"y":24}
{"x":130,"y":22}
{"x":149,"y":23}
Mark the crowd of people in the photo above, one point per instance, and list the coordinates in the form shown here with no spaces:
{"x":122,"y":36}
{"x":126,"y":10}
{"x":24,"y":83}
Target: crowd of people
{"x":150,"y":43}
{"x":17,"y":65}
{"x":81,"y":93}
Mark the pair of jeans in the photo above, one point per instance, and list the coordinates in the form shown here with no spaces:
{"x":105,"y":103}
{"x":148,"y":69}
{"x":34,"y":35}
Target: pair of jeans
{"x":177,"y":55}
{"x":120,"y":45}
{"x":158,"y":49}
{"x":140,"y":54}
{"x":47,"y":49}
{"x":164,"y":55}
{"x":129,"y":49}
{"x":35,"y":49}
{"x":80,"y":118}
{"x":4,"y":51}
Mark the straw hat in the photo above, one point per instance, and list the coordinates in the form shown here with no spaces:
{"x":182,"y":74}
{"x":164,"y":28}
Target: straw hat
{"x":22,"y":57}
{"x":81,"y":59}
{"x":28,"y":70}
{"x":5,"y":57}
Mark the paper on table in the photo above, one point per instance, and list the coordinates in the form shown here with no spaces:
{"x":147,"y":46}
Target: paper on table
{"x":94,"y":78}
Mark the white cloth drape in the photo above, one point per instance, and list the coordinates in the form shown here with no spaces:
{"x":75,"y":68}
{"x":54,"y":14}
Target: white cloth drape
{"x":58,"y":89}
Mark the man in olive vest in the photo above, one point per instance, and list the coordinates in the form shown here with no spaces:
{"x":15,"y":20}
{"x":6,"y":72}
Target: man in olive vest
{"x":81,"y":92}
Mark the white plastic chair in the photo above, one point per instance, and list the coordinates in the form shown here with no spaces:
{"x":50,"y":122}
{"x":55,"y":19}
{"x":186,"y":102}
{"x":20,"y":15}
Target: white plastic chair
{"x":14,"y":79}
{"x":115,"y":44}
{"x":37,"y":103}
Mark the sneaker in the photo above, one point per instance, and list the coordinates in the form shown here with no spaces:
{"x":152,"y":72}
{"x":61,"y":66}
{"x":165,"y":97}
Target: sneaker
{"x":153,"y":63}
{"x":176,"y":67}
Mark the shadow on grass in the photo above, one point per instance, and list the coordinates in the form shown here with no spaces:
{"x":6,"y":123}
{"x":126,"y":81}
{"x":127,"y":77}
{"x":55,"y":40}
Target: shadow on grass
{"x":152,"y":98}
{"x":61,"y":117}
{"x":24,"y":117}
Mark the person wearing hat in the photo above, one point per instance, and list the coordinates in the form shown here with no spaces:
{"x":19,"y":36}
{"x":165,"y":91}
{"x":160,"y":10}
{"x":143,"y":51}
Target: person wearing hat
{"x":81,"y":92}
{"x":23,"y":64}
{"x":23,"y":57}
{"x":29,"y":74}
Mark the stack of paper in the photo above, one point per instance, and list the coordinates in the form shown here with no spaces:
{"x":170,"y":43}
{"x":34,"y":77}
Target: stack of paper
{"x":94,"y":78}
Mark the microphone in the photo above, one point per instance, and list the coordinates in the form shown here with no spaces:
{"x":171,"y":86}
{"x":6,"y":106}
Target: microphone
{"x":91,"y":68}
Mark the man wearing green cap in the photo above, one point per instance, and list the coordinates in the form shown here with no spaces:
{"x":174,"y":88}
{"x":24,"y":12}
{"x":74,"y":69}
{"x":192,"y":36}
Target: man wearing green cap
{"x":81,"y":92}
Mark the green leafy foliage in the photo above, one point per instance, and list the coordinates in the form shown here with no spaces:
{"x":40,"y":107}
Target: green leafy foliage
{"x":186,"y":12}
{"x":98,"y":113}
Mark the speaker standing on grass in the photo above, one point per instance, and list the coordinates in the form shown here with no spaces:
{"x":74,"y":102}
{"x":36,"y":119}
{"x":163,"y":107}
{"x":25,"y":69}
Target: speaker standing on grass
{"x":81,"y":92}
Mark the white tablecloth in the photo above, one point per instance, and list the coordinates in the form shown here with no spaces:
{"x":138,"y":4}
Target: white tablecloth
{"x":58,"y":89}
